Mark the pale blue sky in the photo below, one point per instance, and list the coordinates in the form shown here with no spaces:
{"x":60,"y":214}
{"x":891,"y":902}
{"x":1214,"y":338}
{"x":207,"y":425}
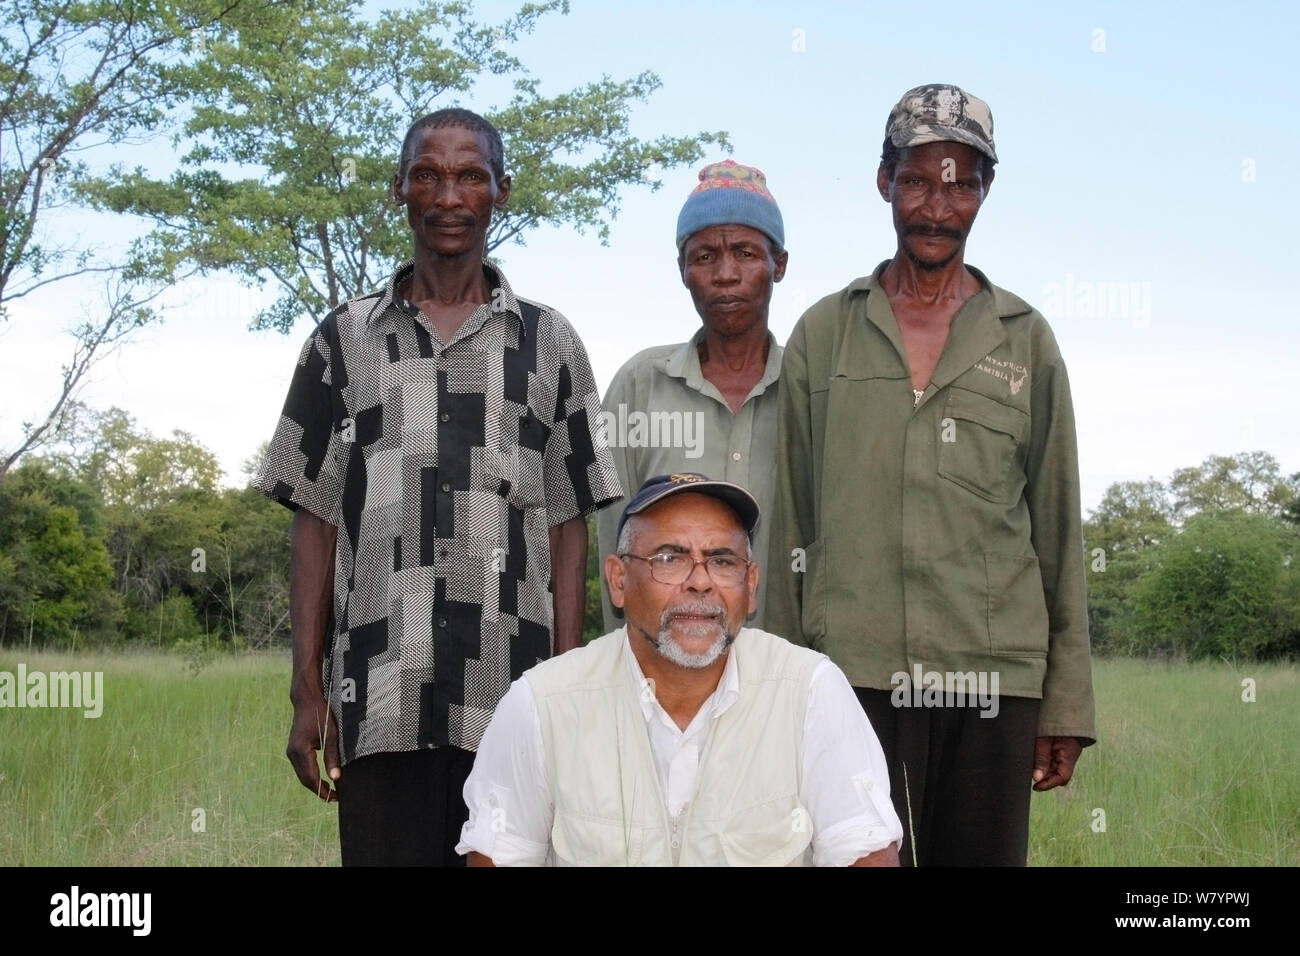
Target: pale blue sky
{"x":1123,"y":166}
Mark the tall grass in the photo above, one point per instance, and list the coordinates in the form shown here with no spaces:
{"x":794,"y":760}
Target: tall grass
{"x":1186,"y":772}
{"x":121,"y":789}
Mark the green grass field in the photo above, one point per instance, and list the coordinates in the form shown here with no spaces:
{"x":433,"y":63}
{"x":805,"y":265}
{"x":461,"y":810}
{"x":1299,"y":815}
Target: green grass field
{"x":1187,"y":773}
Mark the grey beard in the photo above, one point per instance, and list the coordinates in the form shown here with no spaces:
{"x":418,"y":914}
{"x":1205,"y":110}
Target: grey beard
{"x":671,"y":650}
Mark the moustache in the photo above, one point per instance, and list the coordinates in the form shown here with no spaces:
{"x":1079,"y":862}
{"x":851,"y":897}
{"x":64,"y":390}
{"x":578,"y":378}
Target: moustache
{"x":942,"y":231}
{"x":702,"y":608}
{"x":437,"y":222}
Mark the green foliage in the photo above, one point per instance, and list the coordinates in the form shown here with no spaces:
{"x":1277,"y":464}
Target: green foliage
{"x":246,"y":585}
{"x":77,"y":76}
{"x":163,"y":623}
{"x":1132,"y":517}
{"x":74,"y":74}
{"x":293,"y":139}
{"x":593,"y":622}
{"x":55,"y":577}
{"x":1250,"y":481}
{"x":1199,"y":566}
{"x":197,"y":654}
{"x":180,"y":560}
{"x":1220,"y":589}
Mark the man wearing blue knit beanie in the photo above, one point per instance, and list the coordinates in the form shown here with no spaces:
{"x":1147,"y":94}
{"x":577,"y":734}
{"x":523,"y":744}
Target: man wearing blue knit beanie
{"x":710,"y":404}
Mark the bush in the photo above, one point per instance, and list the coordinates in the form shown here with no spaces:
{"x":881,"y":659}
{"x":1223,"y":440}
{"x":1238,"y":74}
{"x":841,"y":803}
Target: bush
{"x":1224,"y":587}
{"x":169,"y":622}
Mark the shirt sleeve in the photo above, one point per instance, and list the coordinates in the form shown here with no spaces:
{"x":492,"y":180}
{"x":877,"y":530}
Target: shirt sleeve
{"x":577,"y":471}
{"x":1056,"y":527}
{"x":845,"y":782}
{"x":301,"y":468}
{"x":507,"y":792}
{"x":793,"y":520}
{"x":607,"y":518}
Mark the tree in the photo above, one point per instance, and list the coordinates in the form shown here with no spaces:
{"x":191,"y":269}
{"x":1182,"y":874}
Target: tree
{"x":296,"y":97}
{"x":161,"y":501}
{"x":1131,"y":515}
{"x":190,"y":562}
{"x":55,"y":576}
{"x":126,"y":308}
{"x":76,"y":75}
{"x":1223,"y":587}
{"x":248,"y":578}
{"x":1291,"y":512}
{"x":1132,"y":518}
{"x":1251,"y":481}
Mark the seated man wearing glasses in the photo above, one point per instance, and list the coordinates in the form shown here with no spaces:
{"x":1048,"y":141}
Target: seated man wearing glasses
{"x":682,"y":738}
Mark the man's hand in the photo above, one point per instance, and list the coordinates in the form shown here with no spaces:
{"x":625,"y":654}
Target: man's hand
{"x":314,"y":729}
{"x":311,"y":595}
{"x":1054,"y":759}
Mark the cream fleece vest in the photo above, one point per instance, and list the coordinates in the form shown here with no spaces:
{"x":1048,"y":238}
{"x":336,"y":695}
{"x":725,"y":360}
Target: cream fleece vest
{"x":609,"y":809}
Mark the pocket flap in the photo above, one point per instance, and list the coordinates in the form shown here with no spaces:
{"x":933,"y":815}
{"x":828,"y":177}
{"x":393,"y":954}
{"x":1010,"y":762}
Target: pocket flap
{"x":974,"y":407}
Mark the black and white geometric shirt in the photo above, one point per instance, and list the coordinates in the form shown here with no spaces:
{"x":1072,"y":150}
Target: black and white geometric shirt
{"x":443,"y":467}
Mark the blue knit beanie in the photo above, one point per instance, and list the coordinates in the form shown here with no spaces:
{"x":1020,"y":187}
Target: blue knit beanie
{"x":731,"y":194}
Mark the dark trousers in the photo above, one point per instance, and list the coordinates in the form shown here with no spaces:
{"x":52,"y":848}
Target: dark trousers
{"x":404,"y":809}
{"x":960,"y":782}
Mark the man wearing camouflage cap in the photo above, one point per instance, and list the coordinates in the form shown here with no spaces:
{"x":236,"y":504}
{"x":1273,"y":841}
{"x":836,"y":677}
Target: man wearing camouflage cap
{"x":708,"y":404}
{"x":928,"y":499}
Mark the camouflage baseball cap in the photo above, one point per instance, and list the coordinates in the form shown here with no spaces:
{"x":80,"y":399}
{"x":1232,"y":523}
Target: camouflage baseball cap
{"x":940,"y":112}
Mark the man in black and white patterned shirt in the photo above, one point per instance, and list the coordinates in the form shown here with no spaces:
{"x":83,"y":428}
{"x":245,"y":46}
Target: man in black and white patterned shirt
{"x":437,"y":446}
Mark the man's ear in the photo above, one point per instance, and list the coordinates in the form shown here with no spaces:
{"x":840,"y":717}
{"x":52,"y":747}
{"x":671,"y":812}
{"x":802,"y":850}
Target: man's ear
{"x":615,"y":573}
{"x":503,"y":193}
{"x":395,"y":190}
{"x":882,"y":182}
{"x":751,"y":587}
{"x":782,"y":260}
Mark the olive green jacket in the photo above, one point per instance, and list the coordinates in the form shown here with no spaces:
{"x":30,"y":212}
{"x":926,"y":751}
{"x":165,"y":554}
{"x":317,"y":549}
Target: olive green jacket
{"x":945,"y":535}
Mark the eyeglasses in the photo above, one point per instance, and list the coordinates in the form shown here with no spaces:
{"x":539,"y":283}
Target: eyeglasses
{"x":673,"y":567}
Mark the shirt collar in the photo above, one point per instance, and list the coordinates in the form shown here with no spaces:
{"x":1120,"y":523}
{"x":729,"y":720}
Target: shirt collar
{"x":684,"y":362}
{"x":724,"y":695}
{"x":1006,"y":304}
{"x":976,"y":331}
{"x":389,"y":297}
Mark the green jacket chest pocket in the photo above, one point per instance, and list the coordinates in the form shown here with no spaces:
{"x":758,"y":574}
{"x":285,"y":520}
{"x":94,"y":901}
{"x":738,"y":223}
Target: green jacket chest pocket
{"x":979,"y":445}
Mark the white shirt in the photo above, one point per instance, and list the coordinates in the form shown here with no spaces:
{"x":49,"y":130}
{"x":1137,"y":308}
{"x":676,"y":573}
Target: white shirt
{"x":844,"y":784}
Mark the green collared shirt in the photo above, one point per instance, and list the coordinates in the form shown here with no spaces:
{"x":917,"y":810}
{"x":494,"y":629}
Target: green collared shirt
{"x":661,"y":415}
{"x":943,"y":531}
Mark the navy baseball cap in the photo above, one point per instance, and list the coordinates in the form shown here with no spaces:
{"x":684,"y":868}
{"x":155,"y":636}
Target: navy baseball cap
{"x":661,"y":486}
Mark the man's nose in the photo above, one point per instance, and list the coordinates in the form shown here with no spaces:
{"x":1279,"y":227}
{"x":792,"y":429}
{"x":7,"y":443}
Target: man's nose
{"x":936,"y":204}
{"x":726,"y":270}
{"x":446,"y":194}
{"x":698,"y":580}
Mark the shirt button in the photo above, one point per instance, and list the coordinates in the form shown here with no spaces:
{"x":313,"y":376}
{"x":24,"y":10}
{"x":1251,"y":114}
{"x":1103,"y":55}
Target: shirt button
{"x":445,"y":416}
{"x":442,"y":553}
{"x":735,"y":456}
{"x":442,"y":622}
{"x":446,"y":486}
{"x":676,"y":843}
